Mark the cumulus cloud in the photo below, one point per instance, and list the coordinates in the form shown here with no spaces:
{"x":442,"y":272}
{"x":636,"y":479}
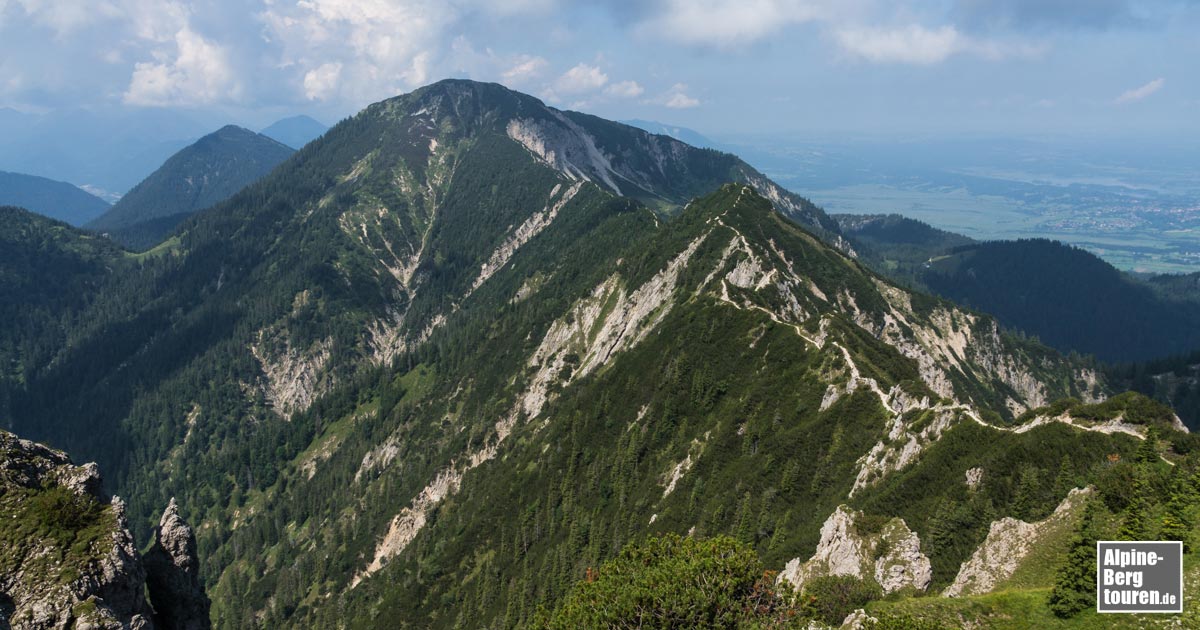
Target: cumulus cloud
{"x":383,"y":47}
{"x":527,"y":67}
{"x":200,"y":73}
{"x":1141,"y":92}
{"x":676,"y":98}
{"x":321,"y":82}
{"x":625,"y":89}
{"x":579,"y":79}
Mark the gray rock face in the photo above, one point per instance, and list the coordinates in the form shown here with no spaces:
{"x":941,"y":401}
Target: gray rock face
{"x":173,"y":575}
{"x":67,"y":559}
{"x":891,"y":557}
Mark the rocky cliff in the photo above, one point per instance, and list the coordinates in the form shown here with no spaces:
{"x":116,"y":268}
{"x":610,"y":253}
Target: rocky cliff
{"x":67,"y":557}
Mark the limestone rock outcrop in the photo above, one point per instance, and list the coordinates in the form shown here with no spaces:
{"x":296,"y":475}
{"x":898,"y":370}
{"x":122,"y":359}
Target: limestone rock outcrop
{"x":69,"y":560}
{"x":173,"y":575}
{"x":1009,"y":542}
{"x":891,"y":556}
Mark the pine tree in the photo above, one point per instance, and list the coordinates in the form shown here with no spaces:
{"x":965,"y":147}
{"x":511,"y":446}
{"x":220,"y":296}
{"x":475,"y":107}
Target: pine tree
{"x":1028,"y":489}
{"x":1147,"y":451}
{"x":1133,"y":522}
{"x":1075,"y":582}
{"x":1177,"y":519}
{"x":1065,"y":481}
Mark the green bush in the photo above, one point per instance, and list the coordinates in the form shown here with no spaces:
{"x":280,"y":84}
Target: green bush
{"x":830,"y":599}
{"x":676,"y":582}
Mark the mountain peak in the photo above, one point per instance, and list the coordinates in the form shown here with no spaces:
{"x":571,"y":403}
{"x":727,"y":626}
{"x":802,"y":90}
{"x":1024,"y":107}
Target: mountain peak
{"x":205,"y":173}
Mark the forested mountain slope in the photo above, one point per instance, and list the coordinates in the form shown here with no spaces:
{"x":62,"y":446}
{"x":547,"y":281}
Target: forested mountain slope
{"x":1068,"y":298}
{"x":207,"y":172}
{"x":464,"y":346}
{"x":50,"y":273}
{"x":47,"y":197}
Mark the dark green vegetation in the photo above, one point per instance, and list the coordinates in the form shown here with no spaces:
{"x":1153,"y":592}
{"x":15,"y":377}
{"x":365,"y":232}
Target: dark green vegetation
{"x":675,"y":582}
{"x":296,"y":131}
{"x":1066,"y":297}
{"x":896,"y":245}
{"x":1174,"y":380}
{"x":1069,"y":298}
{"x":50,"y":273}
{"x":201,"y":175}
{"x":57,"y":200}
{"x":1140,"y":497}
{"x":425,"y":375}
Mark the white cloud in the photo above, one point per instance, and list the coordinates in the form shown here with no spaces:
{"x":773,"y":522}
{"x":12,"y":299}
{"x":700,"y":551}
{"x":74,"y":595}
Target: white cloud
{"x":321,"y":82}
{"x":383,"y":46}
{"x":581,"y":78}
{"x":526,"y":68}
{"x":200,"y":73}
{"x":1139,"y":93}
{"x":65,"y":17}
{"x":676,"y":98}
{"x":625,"y":89}
{"x":913,"y":44}
{"x":726,"y":23}
{"x":916,"y":44}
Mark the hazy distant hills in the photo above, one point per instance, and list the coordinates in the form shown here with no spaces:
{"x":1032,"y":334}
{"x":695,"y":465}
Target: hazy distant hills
{"x":109,"y":149}
{"x":682,"y":134}
{"x":205,"y":173}
{"x":57,"y":200}
{"x":296,"y":131}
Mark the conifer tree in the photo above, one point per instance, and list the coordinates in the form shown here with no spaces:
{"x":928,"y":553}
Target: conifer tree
{"x":1075,"y":583}
{"x":1133,"y":523}
{"x":1177,"y":520}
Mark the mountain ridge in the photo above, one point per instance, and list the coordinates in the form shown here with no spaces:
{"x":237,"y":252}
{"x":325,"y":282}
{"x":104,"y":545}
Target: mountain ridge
{"x":434,"y":366}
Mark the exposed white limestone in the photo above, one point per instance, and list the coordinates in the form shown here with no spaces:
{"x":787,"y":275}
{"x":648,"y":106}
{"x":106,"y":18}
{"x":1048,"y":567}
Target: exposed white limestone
{"x":599,"y":326}
{"x":379,"y":457}
{"x":566,"y":147}
{"x":891,"y":557}
{"x":293,"y":375}
{"x":405,"y":525}
{"x":530,"y":228}
{"x":974,"y":477}
{"x":1115,"y":425}
{"x":903,"y":444}
{"x":1009,"y":542}
{"x":680,"y":469}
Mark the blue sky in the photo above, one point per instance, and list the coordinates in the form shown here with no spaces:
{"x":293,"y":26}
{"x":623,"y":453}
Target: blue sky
{"x":725,"y":67}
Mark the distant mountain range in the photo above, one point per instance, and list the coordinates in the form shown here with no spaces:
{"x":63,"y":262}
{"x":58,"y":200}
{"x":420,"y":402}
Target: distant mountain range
{"x":296,"y":131}
{"x":207,"y":172}
{"x":57,"y":200}
{"x":683,"y":134}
